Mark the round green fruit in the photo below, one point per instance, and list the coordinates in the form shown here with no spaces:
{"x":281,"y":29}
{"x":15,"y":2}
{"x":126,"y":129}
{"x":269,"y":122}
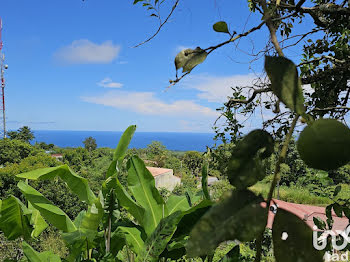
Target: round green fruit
{"x":325,"y":144}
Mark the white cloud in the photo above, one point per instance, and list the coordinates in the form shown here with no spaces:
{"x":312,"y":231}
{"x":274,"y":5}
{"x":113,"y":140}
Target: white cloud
{"x":195,"y":126}
{"x":217,"y":89}
{"x":86,"y":52}
{"x":148,"y":104}
{"x":107,"y":82}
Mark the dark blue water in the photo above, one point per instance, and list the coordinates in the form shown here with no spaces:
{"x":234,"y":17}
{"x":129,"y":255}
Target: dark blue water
{"x":172,"y":141}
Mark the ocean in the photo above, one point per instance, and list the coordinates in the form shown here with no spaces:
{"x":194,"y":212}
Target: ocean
{"x":172,"y":141}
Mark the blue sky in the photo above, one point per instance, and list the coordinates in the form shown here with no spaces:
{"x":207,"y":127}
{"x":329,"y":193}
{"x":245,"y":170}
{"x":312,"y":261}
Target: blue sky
{"x":72,"y":65}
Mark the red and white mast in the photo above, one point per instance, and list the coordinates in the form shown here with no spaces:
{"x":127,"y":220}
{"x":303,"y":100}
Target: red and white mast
{"x":2,"y":89}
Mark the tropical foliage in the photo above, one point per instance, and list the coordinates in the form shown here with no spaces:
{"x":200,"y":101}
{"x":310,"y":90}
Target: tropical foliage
{"x":152,"y":228}
{"x":127,"y":219}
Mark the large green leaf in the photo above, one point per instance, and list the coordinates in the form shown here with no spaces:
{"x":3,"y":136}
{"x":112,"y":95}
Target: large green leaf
{"x":13,"y":221}
{"x":157,"y":242}
{"x":177,"y":203}
{"x":293,"y":236}
{"x":132,"y":236}
{"x":120,"y":151}
{"x":285,"y":82}
{"x":37,"y":221}
{"x":142,"y":186}
{"x":245,"y":167}
{"x":176,"y":247}
{"x":49,"y":211}
{"x":86,"y":224}
{"x":125,"y":200}
{"x":232,"y":255}
{"x":120,"y":237}
{"x":34,"y":256}
{"x":238,"y":217}
{"x":77,"y":184}
{"x":190,"y":218}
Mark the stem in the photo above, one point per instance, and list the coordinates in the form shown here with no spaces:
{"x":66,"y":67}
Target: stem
{"x":108,"y":240}
{"x":87,"y":249}
{"x":127,"y":251}
{"x":132,"y":258}
{"x":271,"y":27}
{"x":281,"y":159}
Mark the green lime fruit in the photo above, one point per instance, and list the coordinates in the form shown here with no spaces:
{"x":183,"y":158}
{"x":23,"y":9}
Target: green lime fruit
{"x":325,"y":144}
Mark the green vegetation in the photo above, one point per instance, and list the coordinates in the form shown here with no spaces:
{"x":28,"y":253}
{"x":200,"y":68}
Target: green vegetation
{"x":104,"y":221}
{"x":105,"y":206}
{"x":123,"y":219}
{"x":90,"y":143}
{"x":24,"y":134}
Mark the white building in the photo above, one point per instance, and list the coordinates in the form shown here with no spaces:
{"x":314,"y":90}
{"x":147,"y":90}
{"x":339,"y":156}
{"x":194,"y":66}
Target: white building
{"x":164,"y":177}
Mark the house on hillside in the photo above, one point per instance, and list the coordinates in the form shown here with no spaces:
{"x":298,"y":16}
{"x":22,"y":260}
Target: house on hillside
{"x":164,"y":177}
{"x":58,"y":156}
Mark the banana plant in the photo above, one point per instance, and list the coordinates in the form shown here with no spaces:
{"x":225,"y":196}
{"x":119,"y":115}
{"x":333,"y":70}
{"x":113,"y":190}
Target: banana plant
{"x":154,"y":228}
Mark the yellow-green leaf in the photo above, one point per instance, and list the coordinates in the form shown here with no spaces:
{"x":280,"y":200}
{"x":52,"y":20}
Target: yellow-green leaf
{"x":13,"y":221}
{"x":49,"y":211}
{"x":285,"y":82}
{"x":77,"y":184}
{"x":142,"y":186}
{"x":221,"y":27}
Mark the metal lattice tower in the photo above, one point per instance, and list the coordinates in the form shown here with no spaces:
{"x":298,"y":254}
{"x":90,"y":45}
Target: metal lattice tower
{"x":2,"y":89}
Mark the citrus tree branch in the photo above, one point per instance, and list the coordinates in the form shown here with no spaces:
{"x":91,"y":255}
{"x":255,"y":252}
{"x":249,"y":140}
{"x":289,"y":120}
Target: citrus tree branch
{"x":233,"y":101}
{"x":161,"y":25}
{"x":331,"y":108}
{"x":276,"y":176}
{"x":324,"y":57}
{"x":212,"y":48}
{"x":232,"y":39}
{"x":323,"y":8}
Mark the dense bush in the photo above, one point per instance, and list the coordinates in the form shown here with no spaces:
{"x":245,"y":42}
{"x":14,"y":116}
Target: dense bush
{"x":13,"y":151}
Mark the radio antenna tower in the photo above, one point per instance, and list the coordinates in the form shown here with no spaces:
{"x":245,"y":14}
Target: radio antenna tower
{"x":2,"y":89}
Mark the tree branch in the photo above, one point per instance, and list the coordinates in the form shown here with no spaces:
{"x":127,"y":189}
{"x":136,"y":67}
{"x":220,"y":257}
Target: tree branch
{"x":331,"y":108}
{"x":324,"y":8}
{"x":323,"y":57}
{"x":232,"y":39}
{"x":271,"y":27}
{"x":161,"y":25}
{"x":232,"y":101}
{"x":212,"y":48}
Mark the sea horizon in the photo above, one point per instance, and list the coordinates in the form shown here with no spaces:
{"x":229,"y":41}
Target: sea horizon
{"x":175,"y":141}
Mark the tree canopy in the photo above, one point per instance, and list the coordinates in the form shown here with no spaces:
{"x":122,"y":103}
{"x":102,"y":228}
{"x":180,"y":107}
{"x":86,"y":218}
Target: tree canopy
{"x":90,"y":143}
{"x":316,"y":32}
{"x":24,"y":134}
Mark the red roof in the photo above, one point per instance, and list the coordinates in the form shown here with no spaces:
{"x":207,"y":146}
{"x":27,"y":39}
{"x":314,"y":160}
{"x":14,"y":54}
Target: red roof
{"x":307,"y":212}
{"x":156,"y":171}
